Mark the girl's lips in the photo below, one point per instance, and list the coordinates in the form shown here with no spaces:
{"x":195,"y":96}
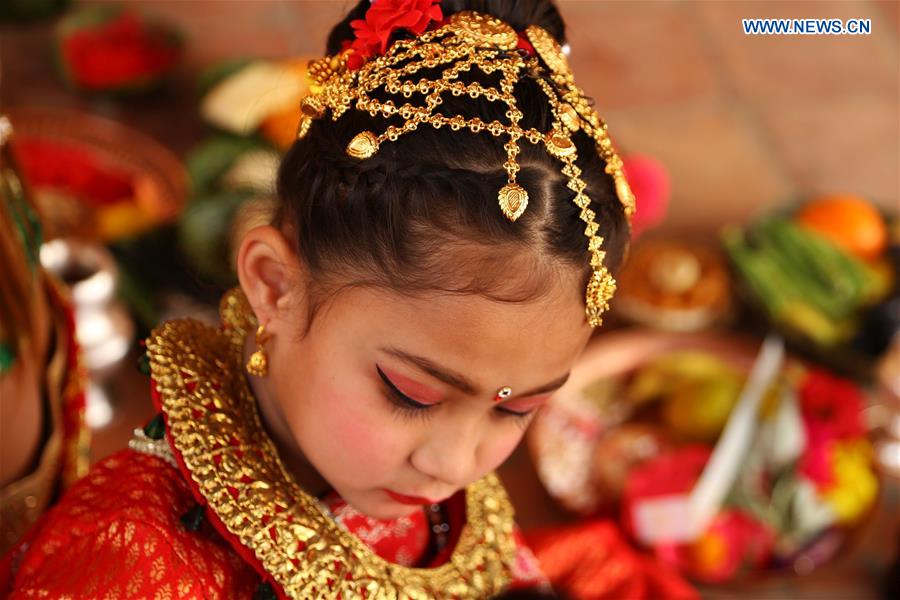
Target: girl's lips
{"x":404,"y":499}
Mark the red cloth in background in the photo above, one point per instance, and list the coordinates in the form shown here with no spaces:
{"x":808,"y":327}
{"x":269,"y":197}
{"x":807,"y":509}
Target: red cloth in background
{"x":594,"y":561}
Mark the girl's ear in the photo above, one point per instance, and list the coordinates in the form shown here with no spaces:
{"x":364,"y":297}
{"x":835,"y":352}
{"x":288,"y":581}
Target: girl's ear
{"x":271,"y":274}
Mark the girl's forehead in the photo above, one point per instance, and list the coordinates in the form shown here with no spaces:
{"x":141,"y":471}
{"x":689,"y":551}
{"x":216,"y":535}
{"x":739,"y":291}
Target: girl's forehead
{"x":479,"y":337}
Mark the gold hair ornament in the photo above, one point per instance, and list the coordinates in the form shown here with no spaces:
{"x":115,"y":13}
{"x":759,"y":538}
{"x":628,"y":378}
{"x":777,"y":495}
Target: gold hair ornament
{"x":472,"y":40}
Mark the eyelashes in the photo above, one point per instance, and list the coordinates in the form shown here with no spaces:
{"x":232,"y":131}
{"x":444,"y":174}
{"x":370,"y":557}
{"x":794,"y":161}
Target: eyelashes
{"x":521,"y":416}
{"x":402,"y":403}
{"x":408,"y":407}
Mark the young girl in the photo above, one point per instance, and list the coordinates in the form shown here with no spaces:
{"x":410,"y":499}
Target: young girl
{"x":450,"y":217}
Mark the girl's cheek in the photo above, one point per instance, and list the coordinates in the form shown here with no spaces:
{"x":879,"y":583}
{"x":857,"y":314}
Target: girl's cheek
{"x":358,"y":428}
{"x":498,"y":450}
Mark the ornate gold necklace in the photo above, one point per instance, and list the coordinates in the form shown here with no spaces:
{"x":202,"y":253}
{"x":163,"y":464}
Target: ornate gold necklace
{"x":233,"y":467}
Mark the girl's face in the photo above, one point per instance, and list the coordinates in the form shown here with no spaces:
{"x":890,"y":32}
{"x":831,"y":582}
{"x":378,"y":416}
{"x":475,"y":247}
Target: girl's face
{"x":391,"y":399}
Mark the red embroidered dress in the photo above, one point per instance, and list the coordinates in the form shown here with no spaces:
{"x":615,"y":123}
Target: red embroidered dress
{"x":208,"y":511}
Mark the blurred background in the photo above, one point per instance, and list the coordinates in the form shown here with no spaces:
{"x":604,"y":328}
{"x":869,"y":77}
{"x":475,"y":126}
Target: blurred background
{"x":767,"y":171}
{"x":742,"y":122}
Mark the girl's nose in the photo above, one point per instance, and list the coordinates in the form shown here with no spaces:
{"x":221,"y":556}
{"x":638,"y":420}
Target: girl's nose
{"x":449,"y":456}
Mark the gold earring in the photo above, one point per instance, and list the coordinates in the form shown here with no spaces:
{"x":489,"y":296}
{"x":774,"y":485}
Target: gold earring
{"x":258,"y":364}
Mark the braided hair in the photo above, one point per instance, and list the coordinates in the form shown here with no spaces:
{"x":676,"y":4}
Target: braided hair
{"x":421,"y":215}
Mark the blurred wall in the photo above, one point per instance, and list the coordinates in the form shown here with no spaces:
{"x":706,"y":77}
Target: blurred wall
{"x":743,"y":123}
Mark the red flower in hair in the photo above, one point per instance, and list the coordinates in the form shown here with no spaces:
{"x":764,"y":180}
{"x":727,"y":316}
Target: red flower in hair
{"x":385,"y":17}
{"x":525,"y":45}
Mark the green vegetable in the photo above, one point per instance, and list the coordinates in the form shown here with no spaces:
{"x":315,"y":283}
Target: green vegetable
{"x":811,"y":275}
{"x":837,"y":273}
{"x":804,"y":281}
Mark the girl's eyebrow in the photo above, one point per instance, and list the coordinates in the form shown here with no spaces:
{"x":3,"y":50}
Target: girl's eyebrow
{"x":458,"y":381}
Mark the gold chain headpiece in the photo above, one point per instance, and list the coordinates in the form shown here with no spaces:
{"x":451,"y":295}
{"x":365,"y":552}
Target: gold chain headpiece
{"x":467,"y":41}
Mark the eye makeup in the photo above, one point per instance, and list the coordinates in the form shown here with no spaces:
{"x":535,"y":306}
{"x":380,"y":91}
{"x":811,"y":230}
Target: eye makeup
{"x":410,"y":388}
{"x":400,"y":402}
{"x":522,"y":406}
{"x":519,"y":409}
{"x":456,"y":380}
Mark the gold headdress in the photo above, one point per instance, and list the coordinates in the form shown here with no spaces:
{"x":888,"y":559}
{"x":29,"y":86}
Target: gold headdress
{"x":471,"y":40}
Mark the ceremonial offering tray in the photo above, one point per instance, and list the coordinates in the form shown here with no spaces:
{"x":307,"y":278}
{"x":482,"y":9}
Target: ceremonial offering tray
{"x":565,"y":434}
{"x":674,"y":284}
{"x":826,"y":275}
{"x":644,"y":416}
{"x":94,"y":178}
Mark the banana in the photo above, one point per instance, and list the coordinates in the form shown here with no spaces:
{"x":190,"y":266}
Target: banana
{"x":662,"y":376}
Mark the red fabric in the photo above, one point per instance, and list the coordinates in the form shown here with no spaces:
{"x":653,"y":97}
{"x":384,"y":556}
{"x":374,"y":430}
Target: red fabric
{"x":118,"y":531}
{"x":593,"y":561}
{"x":117,"y":534}
{"x":403,"y":541}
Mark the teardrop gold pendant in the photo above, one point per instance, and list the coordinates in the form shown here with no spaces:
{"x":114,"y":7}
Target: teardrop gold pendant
{"x":363,"y":145}
{"x":513,"y":200}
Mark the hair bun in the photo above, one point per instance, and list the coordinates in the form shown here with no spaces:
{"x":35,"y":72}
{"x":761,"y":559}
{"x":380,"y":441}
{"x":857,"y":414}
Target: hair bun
{"x":518,"y":13}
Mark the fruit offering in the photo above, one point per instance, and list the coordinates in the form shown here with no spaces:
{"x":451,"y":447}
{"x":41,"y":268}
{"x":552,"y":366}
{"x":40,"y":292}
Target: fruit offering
{"x":807,"y":480}
{"x":644,"y":411}
{"x":848,"y":221}
{"x":696,"y":392}
{"x":94,"y":178}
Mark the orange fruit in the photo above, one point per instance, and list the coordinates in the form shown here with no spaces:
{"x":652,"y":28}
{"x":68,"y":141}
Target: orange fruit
{"x":849,"y":221}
